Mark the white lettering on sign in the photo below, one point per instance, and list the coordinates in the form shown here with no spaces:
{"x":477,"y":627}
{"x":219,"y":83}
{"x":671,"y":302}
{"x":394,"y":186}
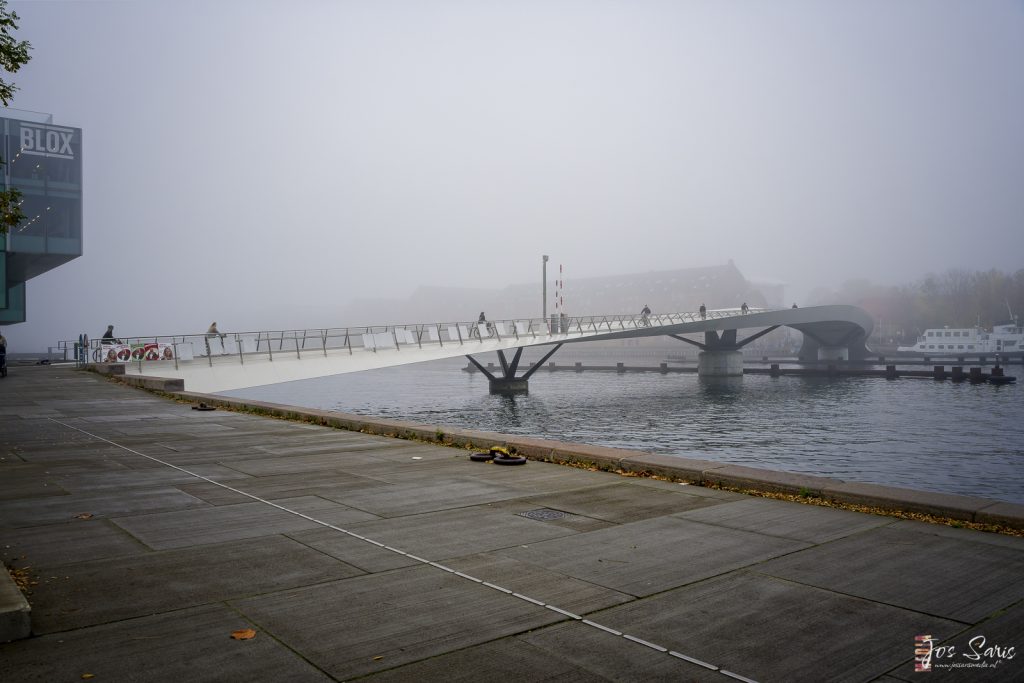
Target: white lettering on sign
{"x":47,"y":141}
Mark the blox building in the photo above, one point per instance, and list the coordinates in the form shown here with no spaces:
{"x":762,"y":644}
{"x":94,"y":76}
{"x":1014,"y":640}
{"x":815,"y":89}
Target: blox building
{"x":44,"y":162}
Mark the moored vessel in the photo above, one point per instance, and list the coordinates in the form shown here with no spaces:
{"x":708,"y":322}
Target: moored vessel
{"x":1005,"y":337}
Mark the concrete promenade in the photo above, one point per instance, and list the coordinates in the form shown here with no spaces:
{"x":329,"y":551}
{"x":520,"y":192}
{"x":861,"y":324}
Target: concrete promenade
{"x":151,"y":532}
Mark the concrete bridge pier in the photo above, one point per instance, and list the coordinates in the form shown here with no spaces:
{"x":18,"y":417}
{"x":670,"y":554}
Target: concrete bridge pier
{"x":720,"y":354}
{"x":509,"y":387}
{"x":833,"y":353}
{"x":720,"y":364}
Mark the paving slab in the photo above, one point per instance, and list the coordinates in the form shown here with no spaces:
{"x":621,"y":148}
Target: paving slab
{"x":615,"y":657}
{"x":35,"y":511}
{"x":101,"y":591}
{"x":19,"y":480}
{"x":398,"y":500}
{"x":510,"y":659}
{"x":370,"y":623}
{"x":540,"y":583}
{"x":187,"y":645}
{"x":688,"y":488}
{"x":960,"y":534}
{"x":91,"y":483}
{"x":451,"y":533}
{"x":54,"y":545}
{"x":364,"y":556}
{"x":771,"y":630}
{"x":334,"y":482}
{"x":185,"y":528}
{"x":781,"y":518}
{"x":535,"y":476}
{"x":319,"y":462}
{"x":647,"y":557}
{"x":932,"y":574}
{"x":621,"y":502}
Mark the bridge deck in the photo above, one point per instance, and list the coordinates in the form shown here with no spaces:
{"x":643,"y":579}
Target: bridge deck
{"x":237,"y":360}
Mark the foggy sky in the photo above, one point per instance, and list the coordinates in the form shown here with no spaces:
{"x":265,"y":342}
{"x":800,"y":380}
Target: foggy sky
{"x":262,"y":163}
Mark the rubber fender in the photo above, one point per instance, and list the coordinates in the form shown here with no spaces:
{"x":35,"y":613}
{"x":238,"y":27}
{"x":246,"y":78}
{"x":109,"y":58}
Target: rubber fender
{"x":511,"y":460}
{"x":481,"y":457}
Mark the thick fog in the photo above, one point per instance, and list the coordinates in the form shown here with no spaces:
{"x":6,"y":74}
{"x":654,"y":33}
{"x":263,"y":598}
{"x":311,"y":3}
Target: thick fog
{"x":262,"y":164}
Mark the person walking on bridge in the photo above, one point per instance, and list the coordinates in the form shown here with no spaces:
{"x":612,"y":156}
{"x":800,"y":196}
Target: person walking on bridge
{"x":703,"y":312}
{"x":108,"y":336}
{"x":744,"y":309}
{"x":645,"y":315}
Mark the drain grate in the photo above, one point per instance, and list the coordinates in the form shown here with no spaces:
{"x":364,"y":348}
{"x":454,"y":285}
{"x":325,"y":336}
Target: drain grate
{"x":544,"y":514}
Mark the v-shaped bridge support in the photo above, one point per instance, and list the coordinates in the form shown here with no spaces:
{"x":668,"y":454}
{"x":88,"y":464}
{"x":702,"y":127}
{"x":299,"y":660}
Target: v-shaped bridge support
{"x":508,"y":383}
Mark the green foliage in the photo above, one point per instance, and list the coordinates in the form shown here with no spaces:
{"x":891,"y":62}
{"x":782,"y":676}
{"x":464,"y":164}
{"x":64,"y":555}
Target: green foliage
{"x":13,"y":53}
{"x":13,"y":56}
{"x":10,"y":209}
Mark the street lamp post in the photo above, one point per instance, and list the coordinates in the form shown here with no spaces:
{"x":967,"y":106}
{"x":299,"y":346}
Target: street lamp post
{"x":544,"y":273}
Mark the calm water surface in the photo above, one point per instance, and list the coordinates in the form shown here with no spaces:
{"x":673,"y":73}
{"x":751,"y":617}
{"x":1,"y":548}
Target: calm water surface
{"x":938,"y":436}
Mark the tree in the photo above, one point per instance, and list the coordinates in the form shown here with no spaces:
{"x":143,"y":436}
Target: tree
{"x":13,"y":56}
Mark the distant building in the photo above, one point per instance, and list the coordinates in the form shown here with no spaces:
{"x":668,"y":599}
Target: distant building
{"x":665,"y":291}
{"x":44,"y":161}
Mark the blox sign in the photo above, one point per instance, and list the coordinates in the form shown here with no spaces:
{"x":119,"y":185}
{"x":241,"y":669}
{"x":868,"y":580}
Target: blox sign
{"x":47,"y":141}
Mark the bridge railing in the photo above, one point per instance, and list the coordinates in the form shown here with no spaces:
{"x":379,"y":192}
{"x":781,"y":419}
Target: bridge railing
{"x":301,"y":343}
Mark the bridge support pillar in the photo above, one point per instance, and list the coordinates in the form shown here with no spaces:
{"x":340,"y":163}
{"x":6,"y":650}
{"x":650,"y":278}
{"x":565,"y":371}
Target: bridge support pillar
{"x":833,"y":353}
{"x":720,"y":364}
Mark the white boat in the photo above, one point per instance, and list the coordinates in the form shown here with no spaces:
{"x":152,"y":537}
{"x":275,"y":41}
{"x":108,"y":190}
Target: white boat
{"x":1006,"y":337}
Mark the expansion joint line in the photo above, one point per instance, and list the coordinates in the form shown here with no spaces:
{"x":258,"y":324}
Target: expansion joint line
{"x":437,"y":565}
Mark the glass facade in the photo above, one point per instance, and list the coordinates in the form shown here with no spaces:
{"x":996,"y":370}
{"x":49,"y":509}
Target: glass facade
{"x":44,"y":162}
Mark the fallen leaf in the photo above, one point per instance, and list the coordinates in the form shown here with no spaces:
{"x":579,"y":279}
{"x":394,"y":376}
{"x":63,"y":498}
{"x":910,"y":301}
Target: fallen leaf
{"x":244,"y":634}
{"x":377,"y":658}
{"x":84,"y":515}
{"x":88,"y":676}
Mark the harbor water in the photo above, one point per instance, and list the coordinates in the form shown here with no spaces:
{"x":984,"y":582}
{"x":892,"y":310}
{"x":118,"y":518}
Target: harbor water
{"x":915,"y":433}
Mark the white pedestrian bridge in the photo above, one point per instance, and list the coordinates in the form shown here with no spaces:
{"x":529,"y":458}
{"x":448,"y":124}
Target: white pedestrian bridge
{"x":214,"y":363}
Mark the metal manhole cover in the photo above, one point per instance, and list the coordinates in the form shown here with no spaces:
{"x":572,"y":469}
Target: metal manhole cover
{"x":543,"y":514}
